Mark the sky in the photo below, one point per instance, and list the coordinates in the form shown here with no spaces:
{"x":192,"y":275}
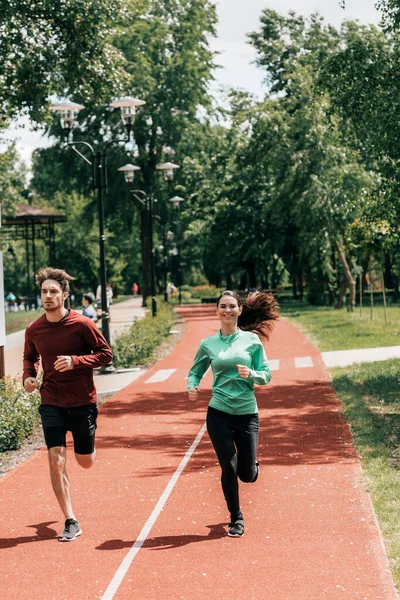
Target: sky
{"x":236,"y":19}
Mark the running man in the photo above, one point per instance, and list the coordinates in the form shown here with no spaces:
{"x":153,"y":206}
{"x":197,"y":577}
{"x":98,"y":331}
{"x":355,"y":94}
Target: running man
{"x":70,"y":346}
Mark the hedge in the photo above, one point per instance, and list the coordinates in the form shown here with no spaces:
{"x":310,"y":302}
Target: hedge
{"x":18,"y":413}
{"x":135,"y":346}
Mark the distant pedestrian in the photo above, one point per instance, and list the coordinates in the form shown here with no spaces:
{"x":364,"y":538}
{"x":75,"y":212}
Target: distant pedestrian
{"x":70,"y":347}
{"x":238,"y":361}
{"x":135,"y":288}
{"x":88,"y":308}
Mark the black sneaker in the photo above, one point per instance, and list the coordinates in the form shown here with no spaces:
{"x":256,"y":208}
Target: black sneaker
{"x":71,"y":531}
{"x":257,"y":472}
{"x":236,"y":529}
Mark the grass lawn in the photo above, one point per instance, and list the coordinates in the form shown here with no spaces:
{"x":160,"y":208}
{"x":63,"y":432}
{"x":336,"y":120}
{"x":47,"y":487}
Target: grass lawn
{"x":370,"y":396}
{"x":15,"y":321}
{"x":331,"y":329}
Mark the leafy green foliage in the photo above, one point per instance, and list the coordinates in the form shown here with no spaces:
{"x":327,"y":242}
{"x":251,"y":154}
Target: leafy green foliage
{"x":135,"y":346}
{"x":57,"y":47}
{"x":18,"y":413}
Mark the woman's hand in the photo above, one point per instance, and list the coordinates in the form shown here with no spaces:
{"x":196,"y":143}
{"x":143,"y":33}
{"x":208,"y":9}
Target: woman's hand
{"x":193,"y":393}
{"x":243,"y":371}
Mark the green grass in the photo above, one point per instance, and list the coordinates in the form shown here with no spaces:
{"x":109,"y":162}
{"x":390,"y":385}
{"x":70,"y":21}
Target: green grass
{"x":15,"y":321}
{"x":370,"y":397}
{"x":331,"y":329}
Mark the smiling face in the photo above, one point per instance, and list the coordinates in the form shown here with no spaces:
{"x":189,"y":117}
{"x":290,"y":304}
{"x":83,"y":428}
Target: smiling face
{"x":228,"y":310}
{"x":52,"y":295}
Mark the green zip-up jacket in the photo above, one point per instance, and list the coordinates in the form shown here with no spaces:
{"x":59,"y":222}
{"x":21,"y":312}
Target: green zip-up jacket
{"x":230,"y":392}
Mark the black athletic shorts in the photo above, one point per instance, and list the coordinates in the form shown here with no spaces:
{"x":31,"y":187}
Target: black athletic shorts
{"x":79,"y":420}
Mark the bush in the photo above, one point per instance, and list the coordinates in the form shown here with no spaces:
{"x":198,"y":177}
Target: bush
{"x":200,"y":291}
{"x":135,"y":346}
{"x":18,"y":413}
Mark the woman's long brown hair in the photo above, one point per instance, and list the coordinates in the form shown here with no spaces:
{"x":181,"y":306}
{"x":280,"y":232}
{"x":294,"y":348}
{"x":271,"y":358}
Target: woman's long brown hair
{"x":259,"y":312}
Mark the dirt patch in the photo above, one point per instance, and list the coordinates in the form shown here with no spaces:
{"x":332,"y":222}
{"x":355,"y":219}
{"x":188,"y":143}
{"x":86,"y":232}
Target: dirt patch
{"x":12,"y":458}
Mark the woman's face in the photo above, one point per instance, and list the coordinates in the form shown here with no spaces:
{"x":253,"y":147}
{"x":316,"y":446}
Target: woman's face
{"x":228,"y":310}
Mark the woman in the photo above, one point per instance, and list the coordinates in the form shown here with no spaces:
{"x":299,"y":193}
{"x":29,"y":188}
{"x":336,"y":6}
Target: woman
{"x":238,"y":361}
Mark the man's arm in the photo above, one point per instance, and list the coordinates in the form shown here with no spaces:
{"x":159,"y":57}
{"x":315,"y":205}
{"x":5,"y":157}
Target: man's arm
{"x":101,"y":351}
{"x":30,"y":362}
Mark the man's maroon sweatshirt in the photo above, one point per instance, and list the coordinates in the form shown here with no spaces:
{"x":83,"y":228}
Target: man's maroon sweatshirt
{"x":75,"y":336}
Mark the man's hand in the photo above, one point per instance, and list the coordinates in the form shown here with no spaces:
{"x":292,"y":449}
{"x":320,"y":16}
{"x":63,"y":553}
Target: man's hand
{"x":30,"y":384}
{"x":64,"y":363}
{"x":243,"y":371}
{"x":193,"y":393}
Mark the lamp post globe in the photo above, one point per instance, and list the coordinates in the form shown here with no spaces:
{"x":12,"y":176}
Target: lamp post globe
{"x":68,"y":112}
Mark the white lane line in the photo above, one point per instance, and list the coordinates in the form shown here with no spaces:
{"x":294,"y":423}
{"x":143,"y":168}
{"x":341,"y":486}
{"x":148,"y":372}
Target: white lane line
{"x":274,"y":365}
{"x":303,"y":362}
{"x":161,"y":375}
{"x":126,"y":563}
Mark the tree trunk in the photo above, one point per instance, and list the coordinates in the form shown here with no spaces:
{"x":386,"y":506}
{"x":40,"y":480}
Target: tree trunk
{"x":341,"y":299}
{"x":351,"y":283}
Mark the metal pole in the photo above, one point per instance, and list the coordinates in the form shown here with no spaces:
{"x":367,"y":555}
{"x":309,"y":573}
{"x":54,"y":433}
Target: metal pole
{"x":28,"y":267}
{"x":152,"y":263}
{"x":165,"y":264}
{"x":179,"y":272}
{"x":105,"y":317}
{"x":34,"y":264}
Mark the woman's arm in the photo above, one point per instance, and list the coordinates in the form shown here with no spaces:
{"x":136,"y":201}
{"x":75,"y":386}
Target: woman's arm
{"x":260,"y":373}
{"x":200,"y":365}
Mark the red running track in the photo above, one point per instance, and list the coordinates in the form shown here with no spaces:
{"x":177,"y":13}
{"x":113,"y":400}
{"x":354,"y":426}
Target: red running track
{"x":151,"y":534}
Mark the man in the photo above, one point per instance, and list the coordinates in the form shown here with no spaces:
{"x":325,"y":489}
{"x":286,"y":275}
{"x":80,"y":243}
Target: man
{"x":88,"y":308}
{"x":70,"y":346}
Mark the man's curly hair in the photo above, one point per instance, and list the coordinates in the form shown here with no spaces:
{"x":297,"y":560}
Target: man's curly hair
{"x":58,"y":275}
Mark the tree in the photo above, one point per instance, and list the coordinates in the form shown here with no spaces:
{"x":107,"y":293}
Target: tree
{"x":319,"y":179}
{"x":58,"y":47}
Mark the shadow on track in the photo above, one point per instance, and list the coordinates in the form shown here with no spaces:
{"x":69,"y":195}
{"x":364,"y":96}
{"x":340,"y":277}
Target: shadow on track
{"x":165,"y":542}
{"x":43,"y":532}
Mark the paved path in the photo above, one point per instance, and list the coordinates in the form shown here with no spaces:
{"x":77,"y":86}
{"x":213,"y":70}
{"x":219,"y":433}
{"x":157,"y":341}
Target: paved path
{"x":122,"y":316}
{"x":151,"y":509}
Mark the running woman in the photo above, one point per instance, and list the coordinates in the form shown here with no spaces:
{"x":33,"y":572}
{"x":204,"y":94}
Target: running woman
{"x":238,"y":361}
{"x":70,"y":347}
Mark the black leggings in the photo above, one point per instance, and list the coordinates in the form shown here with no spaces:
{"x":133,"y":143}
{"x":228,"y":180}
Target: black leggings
{"x":235,"y":439}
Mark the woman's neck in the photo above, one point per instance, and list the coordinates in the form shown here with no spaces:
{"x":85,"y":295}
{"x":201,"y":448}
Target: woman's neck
{"x":228,"y":329}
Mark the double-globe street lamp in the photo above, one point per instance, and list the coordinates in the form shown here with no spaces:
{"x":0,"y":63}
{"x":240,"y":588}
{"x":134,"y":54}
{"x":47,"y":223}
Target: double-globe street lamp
{"x":148,"y":200}
{"x":68,"y":112}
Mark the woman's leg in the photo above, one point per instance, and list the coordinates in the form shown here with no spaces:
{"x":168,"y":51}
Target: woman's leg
{"x":221,"y":435}
{"x":246,"y":440}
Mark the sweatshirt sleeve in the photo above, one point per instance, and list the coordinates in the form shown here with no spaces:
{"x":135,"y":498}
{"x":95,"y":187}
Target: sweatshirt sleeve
{"x":30,"y":357}
{"x":260,"y":374}
{"x":101,"y":351}
{"x":200,"y":365}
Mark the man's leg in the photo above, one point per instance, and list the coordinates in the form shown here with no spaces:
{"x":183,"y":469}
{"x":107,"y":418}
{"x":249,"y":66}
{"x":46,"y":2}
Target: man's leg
{"x":86,"y":460}
{"x":83,"y":428}
{"x":59,"y":479}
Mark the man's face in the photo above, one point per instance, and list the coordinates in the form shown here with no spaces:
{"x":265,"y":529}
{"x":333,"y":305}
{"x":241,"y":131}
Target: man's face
{"x":52,"y":295}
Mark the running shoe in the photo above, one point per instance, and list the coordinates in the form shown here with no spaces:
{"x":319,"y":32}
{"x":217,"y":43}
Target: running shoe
{"x":71,"y":531}
{"x":236,"y":529}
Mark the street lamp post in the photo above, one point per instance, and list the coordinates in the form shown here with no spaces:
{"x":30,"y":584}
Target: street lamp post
{"x":176,"y":203}
{"x":148,"y":200}
{"x":68,"y":117}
